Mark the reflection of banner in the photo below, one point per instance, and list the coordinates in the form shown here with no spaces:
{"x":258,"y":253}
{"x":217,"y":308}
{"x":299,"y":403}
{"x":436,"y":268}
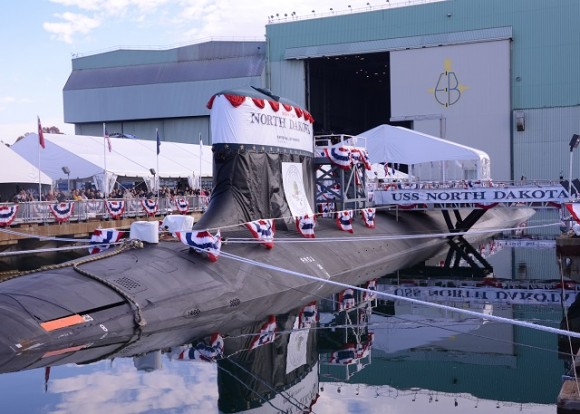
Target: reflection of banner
{"x":8,"y":214}
{"x":472,"y":195}
{"x":267,"y":333}
{"x":115,"y":208}
{"x":62,"y":211}
{"x":487,"y":295}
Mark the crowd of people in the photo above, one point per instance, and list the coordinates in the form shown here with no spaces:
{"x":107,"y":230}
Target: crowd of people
{"x":22,"y":195}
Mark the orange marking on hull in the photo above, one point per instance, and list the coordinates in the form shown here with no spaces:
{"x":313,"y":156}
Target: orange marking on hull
{"x":62,"y":322}
{"x":63,"y":351}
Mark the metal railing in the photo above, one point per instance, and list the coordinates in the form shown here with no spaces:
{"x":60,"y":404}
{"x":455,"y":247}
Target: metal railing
{"x":96,"y":209}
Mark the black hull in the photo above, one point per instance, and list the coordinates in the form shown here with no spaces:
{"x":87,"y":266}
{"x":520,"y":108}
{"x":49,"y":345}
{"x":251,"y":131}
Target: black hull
{"x":162,"y":295}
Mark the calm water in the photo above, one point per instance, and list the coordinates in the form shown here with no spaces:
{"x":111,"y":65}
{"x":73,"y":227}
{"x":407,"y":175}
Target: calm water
{"x":402,"y":358}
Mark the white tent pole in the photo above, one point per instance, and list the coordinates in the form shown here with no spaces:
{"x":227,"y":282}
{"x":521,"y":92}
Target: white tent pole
{"x":158,"y":180}
{"x":39,"y":185}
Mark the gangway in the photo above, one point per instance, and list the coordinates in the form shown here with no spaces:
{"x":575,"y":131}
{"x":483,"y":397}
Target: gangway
{"x":341,"y":184}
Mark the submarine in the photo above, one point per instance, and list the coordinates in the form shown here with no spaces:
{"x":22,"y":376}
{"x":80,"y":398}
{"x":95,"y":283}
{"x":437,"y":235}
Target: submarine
{"x":242,"y":261}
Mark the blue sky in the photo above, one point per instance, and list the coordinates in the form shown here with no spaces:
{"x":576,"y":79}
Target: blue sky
{"x":40,"y":37}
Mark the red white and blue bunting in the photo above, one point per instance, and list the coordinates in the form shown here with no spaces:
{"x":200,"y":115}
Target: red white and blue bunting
{"x":115,"y":208}
{"x":305,"y":225}
{"x":352,"y":352}
{"x":150,"y":206}
{"x":370,"y":296}
{"x":346,"y":299}
{"x":182,"y":204}
{"x":8,"y":214}
{"x":202,"y":242}
{"x":203,"y":351}
{"x":344,"y":220}
{"x":267,"y":333}
{"x":574,"y":209}
{"x":361,"y":155}
{"x":102,"y":239}
{"x":368,"y":215}
{"x":263,"y":231}
{"x":62,"y":211}
{"x":339,"y":155}
{"x":308,"y":316}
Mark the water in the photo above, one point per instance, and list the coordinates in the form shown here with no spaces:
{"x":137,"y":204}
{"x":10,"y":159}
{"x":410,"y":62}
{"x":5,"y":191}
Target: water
{"x":421,"y":360}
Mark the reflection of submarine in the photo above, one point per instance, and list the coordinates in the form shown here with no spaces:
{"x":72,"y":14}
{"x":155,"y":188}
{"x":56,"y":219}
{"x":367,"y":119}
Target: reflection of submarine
{"x":170,"y":293}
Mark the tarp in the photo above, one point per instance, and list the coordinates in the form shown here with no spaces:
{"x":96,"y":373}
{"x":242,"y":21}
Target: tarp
{"x":387,"y":143}
{"x":87,"y":158}
{"x":18,"y":170}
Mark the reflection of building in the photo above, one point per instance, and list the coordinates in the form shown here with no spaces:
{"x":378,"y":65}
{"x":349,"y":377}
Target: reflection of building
{"x":346,"y":342}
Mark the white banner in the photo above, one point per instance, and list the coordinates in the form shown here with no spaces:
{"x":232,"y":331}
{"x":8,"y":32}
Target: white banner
{"x":487,"y":295}
{"x":251,"y":124}
{"x":294,"y":189}
{"x":484,"y":196}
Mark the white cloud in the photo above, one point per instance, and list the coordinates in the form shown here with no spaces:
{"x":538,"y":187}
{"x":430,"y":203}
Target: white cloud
{"x":72,"y":25}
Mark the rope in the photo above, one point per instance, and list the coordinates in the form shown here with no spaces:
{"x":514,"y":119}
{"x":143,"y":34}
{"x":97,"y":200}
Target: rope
{"x":405,"y":299}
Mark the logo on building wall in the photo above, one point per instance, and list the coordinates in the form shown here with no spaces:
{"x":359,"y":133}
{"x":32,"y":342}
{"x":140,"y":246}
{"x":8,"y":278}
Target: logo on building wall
{"x":448,"y":90}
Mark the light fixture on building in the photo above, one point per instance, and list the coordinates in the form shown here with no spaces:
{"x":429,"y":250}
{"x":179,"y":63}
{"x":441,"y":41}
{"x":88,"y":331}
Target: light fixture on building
{"x":520,"y":121}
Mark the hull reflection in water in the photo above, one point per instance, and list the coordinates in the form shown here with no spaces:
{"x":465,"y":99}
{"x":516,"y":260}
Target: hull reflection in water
{"x":317,"y":359}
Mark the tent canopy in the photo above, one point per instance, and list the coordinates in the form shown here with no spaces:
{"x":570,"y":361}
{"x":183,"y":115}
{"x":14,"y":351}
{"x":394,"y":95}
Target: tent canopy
{"x":87,"y":157}
{"x":387,"y":143}
{"x":18,"y":170}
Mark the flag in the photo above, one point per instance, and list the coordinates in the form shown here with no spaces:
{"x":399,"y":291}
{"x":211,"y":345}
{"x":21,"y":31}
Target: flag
{"x":200,"y":146}
{"x":108,"y":139}
{"x":40,"y":134}
{"x":158,"y":143}
{"x":344,"y":220}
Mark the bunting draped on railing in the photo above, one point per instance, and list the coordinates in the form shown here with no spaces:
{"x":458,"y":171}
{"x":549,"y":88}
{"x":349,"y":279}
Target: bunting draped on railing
{"x":308,"y":316}
{"x":62,"y":211}
{"x":368,"y":215}
{"x":182,"y":204}
{"x":346,"y":299}
{"x":369,"y":296}
{"x":202,"y":242}
{"x":204,"y":352}
{"x":352,"y":352}
{"x":340,"y":156}
{"x":360,"y":155}
{"x":346,"y":156}
{"x":263,"y":231}
{"x":305,"y":225}
{"x":344,"y":220}
{"x":150,"y":206}
{"x":8,"y":214}
{"x":267,"y":333}
{"x":102,"y":239}
{"x":116,"y":208}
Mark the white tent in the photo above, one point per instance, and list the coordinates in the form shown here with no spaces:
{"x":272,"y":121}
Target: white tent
{"x":17,"y":171}
{"x":387,"y":143}
{"x":88,"y":159}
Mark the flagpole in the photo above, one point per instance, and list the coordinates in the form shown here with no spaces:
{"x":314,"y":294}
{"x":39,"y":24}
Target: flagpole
{"x":158,"y":149}
{"x":39,"y":179}
{"x":105,"y":181}
{"x":200,"y":154}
